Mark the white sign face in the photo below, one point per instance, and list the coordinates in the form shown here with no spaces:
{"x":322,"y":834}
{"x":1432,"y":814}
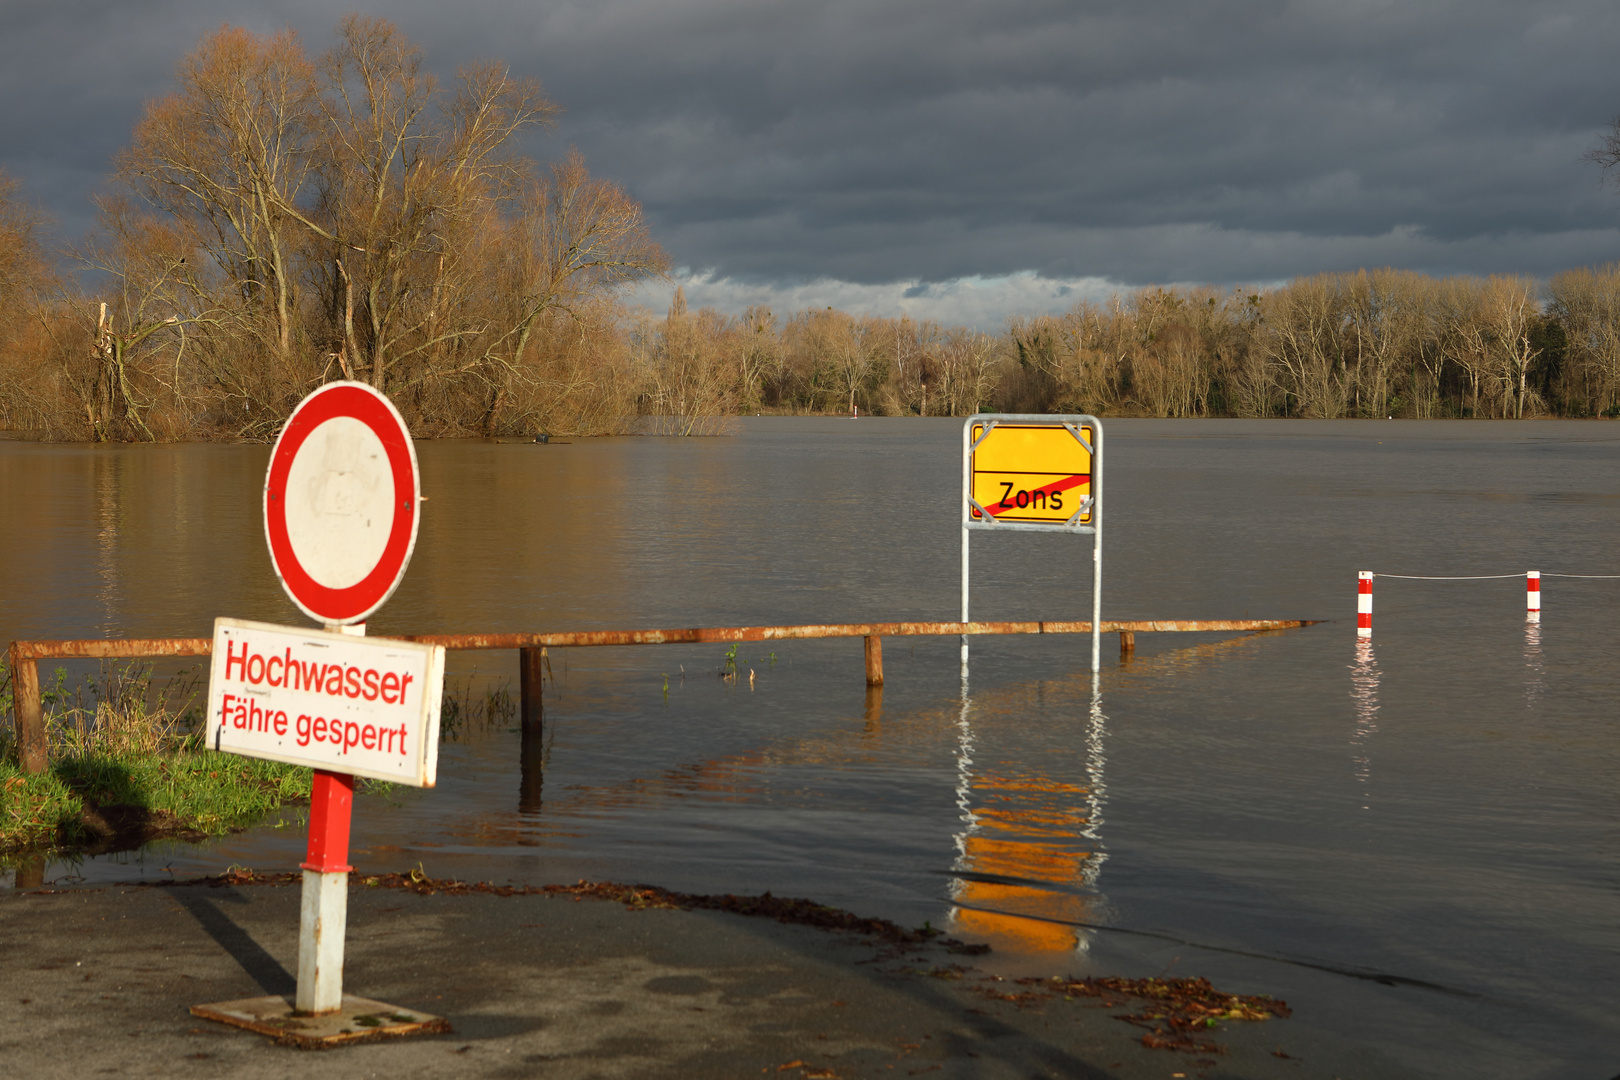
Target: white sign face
{"x":341,"y":505}
{"x":364,"y":706}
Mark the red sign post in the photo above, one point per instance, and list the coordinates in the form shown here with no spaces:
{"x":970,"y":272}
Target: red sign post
{"x":341,"y":509}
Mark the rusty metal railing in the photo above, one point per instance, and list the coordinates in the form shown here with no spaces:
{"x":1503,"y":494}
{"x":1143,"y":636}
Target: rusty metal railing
{"x":33,"y":748}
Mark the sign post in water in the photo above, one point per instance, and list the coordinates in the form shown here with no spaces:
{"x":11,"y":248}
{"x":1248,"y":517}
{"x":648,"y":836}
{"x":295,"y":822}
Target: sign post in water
{"x":1039,"y":473}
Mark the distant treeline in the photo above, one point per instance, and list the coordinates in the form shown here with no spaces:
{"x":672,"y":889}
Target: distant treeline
{"x":1372,"y":343}
{"x":279,"y":221}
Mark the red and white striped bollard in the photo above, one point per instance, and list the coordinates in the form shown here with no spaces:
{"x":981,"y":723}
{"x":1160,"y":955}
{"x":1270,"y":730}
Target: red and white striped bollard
{"x":1532,"y":596}
{"x":1364,"y":604}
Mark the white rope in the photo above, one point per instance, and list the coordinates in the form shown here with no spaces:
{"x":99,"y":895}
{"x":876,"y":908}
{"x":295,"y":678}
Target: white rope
{"x":1486,"y":577}
{"x":1498,"y":577}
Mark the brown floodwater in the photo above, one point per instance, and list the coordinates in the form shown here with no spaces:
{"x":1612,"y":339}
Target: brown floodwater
{"x":1416,"y":842}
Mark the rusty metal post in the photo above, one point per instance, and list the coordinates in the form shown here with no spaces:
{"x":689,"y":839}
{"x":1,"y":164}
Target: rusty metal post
{"x":531,"y":683}
{"x":874,"y":660}
{"x":33,"y":753}
{"x":1127,"y":645}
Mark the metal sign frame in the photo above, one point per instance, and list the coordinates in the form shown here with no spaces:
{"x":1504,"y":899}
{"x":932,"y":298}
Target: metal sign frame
{"x":1090,"y":507}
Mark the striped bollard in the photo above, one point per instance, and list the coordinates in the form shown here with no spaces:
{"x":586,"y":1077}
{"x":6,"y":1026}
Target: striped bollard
{"x":1364,"y":604}
{"x":1532,"y":596}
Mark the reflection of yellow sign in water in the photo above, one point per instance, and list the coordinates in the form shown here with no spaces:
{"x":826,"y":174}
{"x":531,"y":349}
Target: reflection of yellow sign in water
{"x":1030,"y":834}
{"x":1038,"y":473}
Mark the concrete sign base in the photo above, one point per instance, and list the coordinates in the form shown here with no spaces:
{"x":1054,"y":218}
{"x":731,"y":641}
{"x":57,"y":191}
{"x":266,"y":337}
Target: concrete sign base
{"x":358,"y":1020}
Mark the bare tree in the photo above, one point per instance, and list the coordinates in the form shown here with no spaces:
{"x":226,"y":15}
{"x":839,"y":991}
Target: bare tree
{"x":1073,"y":363}
{"x":1468,"y":333}
{"x":24,"y":265}
{"x":758,"y":353}
{"x":852,"y":345}
{"x":28,"y":281}
{"x":1170,"y":370}
{"x":1509,"y":308}
{"x":1607,"y":152}
{"x":140,"y":336}
{"x":1379,"y":324}
{"x":226,"y":157}
{"x":406,"y":179}
{"x":573,"y":240}
{"x":967,"y":371}
{"x":1424,"y":334}
{"x":1300,"y":333}
{"x":1587,"y":304}
{"x":692,"y":369}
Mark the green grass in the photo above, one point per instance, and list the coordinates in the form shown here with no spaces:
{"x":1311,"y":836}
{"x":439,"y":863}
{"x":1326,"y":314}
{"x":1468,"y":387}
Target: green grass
{"x":182,"y":791}
{"x":127,"y":751}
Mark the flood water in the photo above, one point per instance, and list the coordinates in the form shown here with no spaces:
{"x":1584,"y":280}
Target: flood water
{"x":1416,"y":842}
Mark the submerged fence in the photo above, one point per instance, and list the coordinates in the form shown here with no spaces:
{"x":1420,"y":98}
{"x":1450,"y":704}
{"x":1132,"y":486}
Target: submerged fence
{"x":1532,"y":590}
{"x":33,"y":749}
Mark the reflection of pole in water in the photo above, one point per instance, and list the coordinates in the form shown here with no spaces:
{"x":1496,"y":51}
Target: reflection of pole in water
{"x":31,"y":872}
{"x":1532,"y":661}
{"x":874,"y":711}
{"x":1096,"y":787}
{"x":964,"y":768}
{"x":1029,"y":845}
{"x":533,"y":665}
{"x":1364,"y":678}
{"x":532,"y":770}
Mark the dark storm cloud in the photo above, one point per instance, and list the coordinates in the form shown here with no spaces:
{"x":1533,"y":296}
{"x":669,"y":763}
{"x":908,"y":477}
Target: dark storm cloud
{"x":1172,"y":141}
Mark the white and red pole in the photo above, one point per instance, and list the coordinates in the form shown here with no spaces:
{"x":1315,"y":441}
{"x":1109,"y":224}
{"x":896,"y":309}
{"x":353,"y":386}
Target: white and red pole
{"x":323,"y":916}
{"x":1532,"y":596}
{"x":1364,"y":604}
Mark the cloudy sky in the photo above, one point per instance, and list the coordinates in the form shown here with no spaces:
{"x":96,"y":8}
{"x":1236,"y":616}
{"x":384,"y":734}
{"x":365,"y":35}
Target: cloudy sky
{"x":964,"y":159}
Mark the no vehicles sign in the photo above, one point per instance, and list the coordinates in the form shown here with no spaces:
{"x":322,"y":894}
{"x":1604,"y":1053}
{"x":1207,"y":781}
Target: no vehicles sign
{"x":341,"y":504}
{"x":361,"y":706}
{"x":341,"y":508}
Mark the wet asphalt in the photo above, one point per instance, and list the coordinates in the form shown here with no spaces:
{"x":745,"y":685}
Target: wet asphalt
{"x":98,"y":981}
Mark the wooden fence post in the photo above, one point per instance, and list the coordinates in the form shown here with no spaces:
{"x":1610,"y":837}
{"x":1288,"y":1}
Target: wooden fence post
{"x":874,"y":661}
{"x":33,"y":752}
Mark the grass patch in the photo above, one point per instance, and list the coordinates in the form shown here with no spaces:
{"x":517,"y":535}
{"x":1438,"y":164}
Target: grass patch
{"x":127,"y":766}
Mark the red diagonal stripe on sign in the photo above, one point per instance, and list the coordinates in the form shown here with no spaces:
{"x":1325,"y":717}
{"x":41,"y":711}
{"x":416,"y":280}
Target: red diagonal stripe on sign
{"x":995,"y":509}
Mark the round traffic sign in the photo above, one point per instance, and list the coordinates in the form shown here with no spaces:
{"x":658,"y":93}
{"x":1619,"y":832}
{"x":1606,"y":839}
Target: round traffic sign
{"x":341,"y":503}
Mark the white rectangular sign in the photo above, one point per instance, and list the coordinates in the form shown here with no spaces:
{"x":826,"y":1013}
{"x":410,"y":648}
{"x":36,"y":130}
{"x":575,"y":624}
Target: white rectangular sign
{"x":365,"y":706}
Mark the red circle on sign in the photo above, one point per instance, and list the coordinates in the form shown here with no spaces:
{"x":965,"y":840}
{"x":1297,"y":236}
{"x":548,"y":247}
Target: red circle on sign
{"x":357,"y":401}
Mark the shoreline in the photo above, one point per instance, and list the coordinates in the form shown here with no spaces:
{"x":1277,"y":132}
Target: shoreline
{"x":730,"y":420}
{"x":603,"y":980}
